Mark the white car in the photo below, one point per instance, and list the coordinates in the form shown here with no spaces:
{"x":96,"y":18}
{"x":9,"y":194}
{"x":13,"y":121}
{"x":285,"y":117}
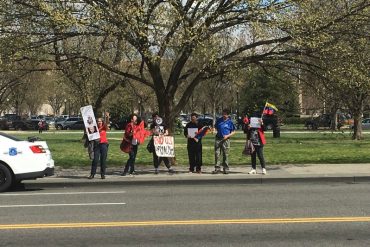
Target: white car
{"x":22,"y":160}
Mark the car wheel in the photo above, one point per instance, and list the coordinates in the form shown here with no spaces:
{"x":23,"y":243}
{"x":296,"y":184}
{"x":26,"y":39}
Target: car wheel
{"x":68,"y":128}
{"x":309,"y":126}
{"x":5,"y":178}
{"x":58,"y":127}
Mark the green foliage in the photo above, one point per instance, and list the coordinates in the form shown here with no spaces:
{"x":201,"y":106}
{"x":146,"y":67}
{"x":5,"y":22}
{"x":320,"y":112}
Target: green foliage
{"x":275,"y":88}
{"x":292,"y":148}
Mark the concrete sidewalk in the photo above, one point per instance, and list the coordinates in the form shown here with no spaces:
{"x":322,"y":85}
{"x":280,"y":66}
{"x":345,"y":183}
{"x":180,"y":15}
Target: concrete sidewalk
{"x":319,"y":173}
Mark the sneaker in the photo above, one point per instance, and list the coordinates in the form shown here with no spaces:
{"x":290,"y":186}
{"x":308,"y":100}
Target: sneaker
{"x":156,"y":171}
{"x":124,"y":174}
{"x":253,"y":171}
{"x":226,"y":171}
{"x":199,"y":172}
{"x":170,"y":170}
{"x":264,"y":171}
{"x":133,"y":173}
{"x":216,"y":171}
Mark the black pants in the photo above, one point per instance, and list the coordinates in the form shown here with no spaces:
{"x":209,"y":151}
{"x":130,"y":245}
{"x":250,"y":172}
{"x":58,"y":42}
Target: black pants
{"x":259,"y":153}
{"x":157,"y":161}
{"x":100,"y":154}
{"x":130,"y":164}
{"x":195,"y":155}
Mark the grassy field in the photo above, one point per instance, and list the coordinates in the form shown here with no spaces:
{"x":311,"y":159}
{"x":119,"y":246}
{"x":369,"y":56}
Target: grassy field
{"x":291,"y":148}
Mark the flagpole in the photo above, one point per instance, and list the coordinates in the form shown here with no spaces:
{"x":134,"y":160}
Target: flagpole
{"x":263,"y":109}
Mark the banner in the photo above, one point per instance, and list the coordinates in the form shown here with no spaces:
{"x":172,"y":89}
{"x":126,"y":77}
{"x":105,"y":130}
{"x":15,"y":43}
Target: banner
{"x":91,"y":126}
{"x":164,"y":146}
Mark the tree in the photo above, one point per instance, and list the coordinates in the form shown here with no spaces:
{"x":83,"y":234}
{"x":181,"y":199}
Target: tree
{"x":146,"y":37}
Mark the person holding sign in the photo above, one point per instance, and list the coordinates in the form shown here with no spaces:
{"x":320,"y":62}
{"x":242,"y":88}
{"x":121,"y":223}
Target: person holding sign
{"x":101,"y":149}
{"x":225,"y":129}
{"x":158,"y":128}
{"x":194,"y":145}
{"x":256,"y":135}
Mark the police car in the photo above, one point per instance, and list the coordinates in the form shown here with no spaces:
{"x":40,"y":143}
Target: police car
{"x":22,"y":160}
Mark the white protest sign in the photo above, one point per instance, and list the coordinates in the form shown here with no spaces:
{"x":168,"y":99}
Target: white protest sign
{"x":192,"y":132}
{"x":255,"y":122}
{"x":164,"y":146}
{"x":90,"y":123}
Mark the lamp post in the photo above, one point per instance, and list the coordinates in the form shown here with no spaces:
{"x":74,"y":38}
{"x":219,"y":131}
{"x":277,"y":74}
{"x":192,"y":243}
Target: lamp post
{"x":7,"y":105}
{"x":65,"y":106}
{"x":237,"y":104}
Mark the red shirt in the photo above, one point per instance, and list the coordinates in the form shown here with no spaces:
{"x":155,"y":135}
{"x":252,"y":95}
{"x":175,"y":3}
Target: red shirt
{"x":103,"y":134}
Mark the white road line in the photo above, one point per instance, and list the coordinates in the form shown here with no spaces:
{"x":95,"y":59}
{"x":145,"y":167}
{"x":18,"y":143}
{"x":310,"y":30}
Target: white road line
{"x":64,"y":193}
{"x":64,"y":204}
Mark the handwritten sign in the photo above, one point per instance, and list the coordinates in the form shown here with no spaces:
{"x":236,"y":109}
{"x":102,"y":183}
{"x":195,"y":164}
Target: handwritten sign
{"x":164,"y":146}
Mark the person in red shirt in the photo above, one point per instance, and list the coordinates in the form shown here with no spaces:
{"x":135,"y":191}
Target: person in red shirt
{"x":100,"y":150}
{"x":130,"y":131}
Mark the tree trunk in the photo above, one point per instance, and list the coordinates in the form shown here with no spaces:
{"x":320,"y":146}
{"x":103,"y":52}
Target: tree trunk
{"x":357,"y":130}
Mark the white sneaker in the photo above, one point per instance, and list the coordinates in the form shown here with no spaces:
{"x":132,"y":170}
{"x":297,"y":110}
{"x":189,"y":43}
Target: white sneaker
{"x":253,"y":171}
{"x":264,"y":171}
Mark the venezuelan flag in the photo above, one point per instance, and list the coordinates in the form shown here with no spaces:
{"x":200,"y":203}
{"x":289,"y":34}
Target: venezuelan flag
{"x":269,"y":109}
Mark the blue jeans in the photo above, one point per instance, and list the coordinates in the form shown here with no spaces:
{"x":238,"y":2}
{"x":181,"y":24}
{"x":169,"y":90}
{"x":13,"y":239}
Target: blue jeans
{"x":130,"y":164}
{"x":100,"y":154}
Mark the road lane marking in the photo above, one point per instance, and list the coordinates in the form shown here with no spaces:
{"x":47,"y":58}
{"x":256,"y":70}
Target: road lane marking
{"x":184,"y":222}
{"x":63,"y":193}
{"x":62,"y":204}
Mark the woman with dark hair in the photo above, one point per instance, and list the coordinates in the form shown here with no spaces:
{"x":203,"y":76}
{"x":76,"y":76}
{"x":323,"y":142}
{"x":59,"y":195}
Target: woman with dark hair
{"x":256,"y":135}
{"x":100,"y":149}
{"x":129,"y":135}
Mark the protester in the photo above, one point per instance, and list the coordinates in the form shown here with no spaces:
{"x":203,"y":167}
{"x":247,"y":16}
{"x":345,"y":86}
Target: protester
{"x":159,"y":128}
{"x":194,"y":145}
{"x":257,"y":137}
{"x":41,"y":125}
{"x":100,"y":149}
{"x":225,"y":129}
{"x":130,"y":130}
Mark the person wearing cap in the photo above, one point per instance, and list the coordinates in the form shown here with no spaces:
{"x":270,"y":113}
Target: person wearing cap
{"x":194,"y":146}
{"x":225,"y":129}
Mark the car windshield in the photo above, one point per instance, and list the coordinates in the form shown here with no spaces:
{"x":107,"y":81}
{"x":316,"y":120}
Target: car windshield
{"x":10,"y":137}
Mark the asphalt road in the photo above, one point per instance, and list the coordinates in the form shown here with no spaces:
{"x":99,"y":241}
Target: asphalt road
{"x":207,"y":215}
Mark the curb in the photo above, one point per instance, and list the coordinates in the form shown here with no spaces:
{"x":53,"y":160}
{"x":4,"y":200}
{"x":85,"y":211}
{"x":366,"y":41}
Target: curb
{"x":66,"y":183}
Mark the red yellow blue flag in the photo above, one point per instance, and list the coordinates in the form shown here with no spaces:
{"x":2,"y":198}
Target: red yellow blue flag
{"x":269,"y":109}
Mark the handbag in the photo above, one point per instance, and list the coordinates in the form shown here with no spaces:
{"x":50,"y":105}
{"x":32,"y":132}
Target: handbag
{"x":125,"y":146}
{"x":248,"y":148}
{"x":150,"y":146}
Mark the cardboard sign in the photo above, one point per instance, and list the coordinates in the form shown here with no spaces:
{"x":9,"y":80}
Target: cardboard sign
{"x":255,"y":122}
{"x":164,"y":146}
{"x":91,"y":126}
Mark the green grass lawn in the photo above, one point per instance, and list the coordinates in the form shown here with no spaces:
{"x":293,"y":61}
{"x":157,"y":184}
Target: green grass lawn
{"x":291,"y":148}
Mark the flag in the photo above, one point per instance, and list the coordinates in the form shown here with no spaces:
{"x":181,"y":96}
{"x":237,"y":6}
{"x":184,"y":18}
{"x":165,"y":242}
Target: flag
{"x":269,"y":109}
{"x":202,"y":132}
{"x":141,"y":133}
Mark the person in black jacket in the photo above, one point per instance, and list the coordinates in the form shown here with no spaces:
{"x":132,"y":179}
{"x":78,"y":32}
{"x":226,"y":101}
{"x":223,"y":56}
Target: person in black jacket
{"x":194,"y":145}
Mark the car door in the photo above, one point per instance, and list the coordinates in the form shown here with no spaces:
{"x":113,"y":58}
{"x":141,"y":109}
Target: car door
{"x":366,"y":123}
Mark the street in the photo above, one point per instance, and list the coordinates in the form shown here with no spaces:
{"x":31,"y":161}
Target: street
{"x":208,"y":215}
